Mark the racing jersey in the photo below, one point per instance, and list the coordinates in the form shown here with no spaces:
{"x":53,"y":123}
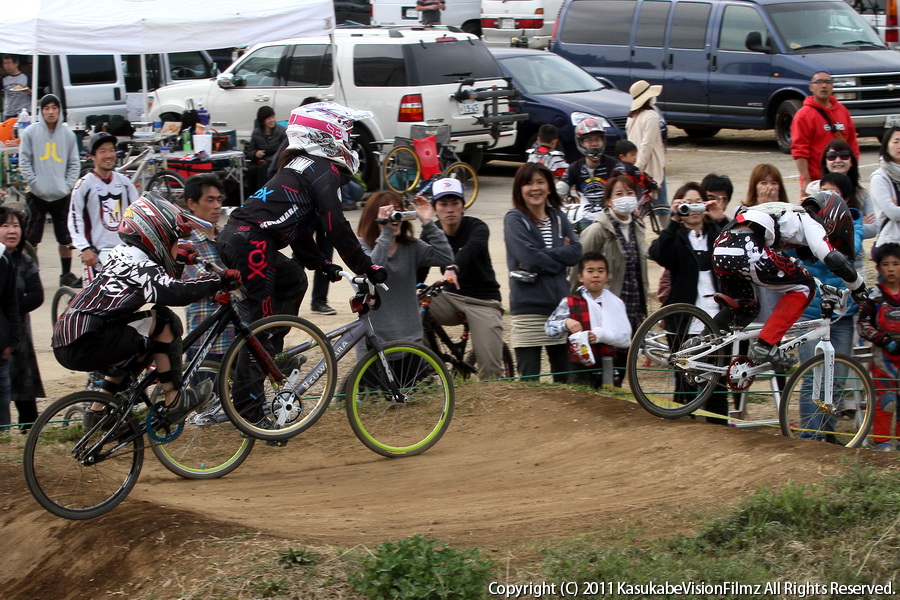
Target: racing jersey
{"x":96,"y":209}
{"x":128,"y":281}
{"x":589,"y":183}
{"x":308,"y":188}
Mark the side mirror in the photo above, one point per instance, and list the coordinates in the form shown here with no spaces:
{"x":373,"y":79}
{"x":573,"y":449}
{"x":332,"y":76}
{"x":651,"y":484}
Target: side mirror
{"x":229,"y":80}
{"x":754,"y":43}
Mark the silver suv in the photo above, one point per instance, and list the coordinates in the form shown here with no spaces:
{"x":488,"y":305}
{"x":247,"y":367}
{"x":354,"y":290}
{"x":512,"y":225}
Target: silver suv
{"x":405,"y":75}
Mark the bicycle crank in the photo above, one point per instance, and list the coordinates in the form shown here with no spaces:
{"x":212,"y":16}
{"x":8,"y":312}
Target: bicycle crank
{"x":737,"y":374}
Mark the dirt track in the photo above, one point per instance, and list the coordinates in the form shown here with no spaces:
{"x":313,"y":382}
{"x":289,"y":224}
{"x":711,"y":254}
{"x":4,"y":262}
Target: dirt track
{"x":519,"y":464}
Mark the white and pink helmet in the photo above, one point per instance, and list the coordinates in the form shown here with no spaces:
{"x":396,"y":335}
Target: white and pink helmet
{"x":323,"y":129}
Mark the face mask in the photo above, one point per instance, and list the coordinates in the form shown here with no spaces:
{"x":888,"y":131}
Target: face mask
{"x":624,"y":205}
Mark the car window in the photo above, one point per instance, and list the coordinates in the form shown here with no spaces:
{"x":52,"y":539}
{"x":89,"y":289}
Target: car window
{"x":689,"y":25}
{"x":584,"y":25}
{"x":260,"y":68}
{"x":378,"y":65}
{"x":309,"y":66}
{"x":131,"y":68}
{"x":821,"y":26}
{"x":737,"y":22}
{"x":651,"y":29}
{"x":549,"y":74}
{"x":91,"y":69}
{"x":439,"y":63}
{"x":189,"y":65}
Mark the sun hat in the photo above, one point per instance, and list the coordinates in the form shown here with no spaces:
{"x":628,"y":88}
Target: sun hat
{"x":446,"y":187}
{"x":641,"y":91}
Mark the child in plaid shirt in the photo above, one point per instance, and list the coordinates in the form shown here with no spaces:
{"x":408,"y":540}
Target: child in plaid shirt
{"x":596,"y":310}
{"x":879,"y":323}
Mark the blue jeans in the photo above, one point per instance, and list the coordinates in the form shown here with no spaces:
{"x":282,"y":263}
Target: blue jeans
{"x":842,"y":332}
{"x":5,"y":394}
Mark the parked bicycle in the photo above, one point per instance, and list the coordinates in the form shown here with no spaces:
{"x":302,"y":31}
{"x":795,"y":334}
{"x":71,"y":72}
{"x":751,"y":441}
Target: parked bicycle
{"x":402,"y":166}
{"x":453,"y":349}
{"x":679,"y":358}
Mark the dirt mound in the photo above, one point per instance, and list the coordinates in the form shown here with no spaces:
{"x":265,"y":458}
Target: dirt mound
{"x":519,"y":463}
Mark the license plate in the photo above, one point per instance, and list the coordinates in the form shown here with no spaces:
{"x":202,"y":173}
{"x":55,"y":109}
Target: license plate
{"x":469,"y":108}
{"x":507,"y":23}
{"x":892,"y":121}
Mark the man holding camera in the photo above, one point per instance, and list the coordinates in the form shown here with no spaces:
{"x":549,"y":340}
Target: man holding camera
{"x":477,"y":294}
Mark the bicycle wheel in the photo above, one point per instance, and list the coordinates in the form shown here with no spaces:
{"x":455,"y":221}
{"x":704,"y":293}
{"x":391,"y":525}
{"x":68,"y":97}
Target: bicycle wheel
{"x":68,"y":472}
{"x":509,"y":365}
{"x":402,"y":169}
{"x":662,"y":386}
{"x":802,"y":413}
{"x":209,"y":446}
{"x":410,"y":423}
{"x":466,"y":175}
{"x":61,"y":300}
{"x":168,"y":183}
{"x":291,"y":404}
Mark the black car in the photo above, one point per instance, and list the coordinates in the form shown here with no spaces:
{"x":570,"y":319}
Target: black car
{"x":556,"y":91}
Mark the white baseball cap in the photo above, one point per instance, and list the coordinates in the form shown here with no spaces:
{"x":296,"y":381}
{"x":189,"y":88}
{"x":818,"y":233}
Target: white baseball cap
{"x":446,"y":187}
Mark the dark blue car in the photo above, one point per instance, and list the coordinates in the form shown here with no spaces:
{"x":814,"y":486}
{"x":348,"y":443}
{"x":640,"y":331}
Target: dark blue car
{"x":556,"y":91}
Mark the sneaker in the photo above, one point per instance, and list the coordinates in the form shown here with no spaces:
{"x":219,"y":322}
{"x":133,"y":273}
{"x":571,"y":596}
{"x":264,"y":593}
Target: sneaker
{"x":69,"y":280}
{"x":885,"y":447}
{"x":287,"y":363}
{"x":760,"y":353}
{"x":323,"y":309}
{"x":187,"y":401}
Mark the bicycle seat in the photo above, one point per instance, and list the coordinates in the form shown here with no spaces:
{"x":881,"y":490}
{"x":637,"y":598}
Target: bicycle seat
{"x":741,"y":305}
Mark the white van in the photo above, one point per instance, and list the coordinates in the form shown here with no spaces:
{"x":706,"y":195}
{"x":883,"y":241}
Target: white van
{"x":110,"y":84}
{"x":465,"y":14}
{"x":530,"y":22}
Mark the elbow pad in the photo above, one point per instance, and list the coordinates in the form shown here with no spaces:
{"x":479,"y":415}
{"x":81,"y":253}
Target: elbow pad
{"x":838,"y":264}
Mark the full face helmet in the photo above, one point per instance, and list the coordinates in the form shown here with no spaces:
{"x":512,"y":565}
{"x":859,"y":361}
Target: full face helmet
{"x":589,"y":126}
{"x":153,"y":224}
{"x":835,"y":216}
{"x":323,"y":129}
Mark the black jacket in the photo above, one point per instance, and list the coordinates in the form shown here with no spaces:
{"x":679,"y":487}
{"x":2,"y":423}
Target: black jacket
{"x":673,"y":250}
{"x":10,"y":320}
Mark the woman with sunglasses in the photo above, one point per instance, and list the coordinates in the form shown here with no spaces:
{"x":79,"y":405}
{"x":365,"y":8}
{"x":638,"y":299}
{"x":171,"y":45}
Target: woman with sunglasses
{"x":885,"y":186}
{"x":839,"y":158}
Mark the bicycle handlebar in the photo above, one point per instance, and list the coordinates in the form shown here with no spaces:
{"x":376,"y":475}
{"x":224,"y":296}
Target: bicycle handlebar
{"x":357,"y":281}
{"x":435,"y":289}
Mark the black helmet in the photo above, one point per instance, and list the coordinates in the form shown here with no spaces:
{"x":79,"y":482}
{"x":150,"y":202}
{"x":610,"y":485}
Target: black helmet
{"x":836,"y":218}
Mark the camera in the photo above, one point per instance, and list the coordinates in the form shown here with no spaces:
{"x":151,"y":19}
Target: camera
{"x":399,"y":215}
{"x":684,"y":210}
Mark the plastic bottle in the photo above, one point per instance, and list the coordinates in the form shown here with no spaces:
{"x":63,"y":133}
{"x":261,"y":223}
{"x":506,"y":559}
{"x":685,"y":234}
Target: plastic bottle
{"x":203,"y":116}
{"x":23,"y":120}
{"x":186,"y":141}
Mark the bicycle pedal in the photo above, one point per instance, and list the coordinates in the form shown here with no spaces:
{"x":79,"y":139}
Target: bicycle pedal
{"x":277,"y":443}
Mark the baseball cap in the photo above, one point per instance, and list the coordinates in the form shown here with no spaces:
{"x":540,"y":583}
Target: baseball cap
{"x":100,"y":138}
{"x":446,"y":187}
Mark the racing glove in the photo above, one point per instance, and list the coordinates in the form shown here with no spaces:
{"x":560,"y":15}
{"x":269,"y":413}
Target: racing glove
{"x":231,"y":279}
{"x":376,"y":274}
{"x":187,"y":254}
{"x":331,"y":271}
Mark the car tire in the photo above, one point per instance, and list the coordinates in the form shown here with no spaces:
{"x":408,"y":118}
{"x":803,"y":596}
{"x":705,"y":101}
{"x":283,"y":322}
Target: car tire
{"x":784,"y":116}
{"x":368,"y":162}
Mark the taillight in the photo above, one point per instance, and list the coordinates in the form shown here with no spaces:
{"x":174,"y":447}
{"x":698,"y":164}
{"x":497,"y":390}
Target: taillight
{"x":490,"y":23}
{"x":890,"y":21}
{"x":555,"y":29}
{"x":411,"y":109}
{"x":529,"y":23}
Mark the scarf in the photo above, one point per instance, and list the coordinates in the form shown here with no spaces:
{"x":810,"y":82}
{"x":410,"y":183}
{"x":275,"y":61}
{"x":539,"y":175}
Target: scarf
{"x":891,"y":168}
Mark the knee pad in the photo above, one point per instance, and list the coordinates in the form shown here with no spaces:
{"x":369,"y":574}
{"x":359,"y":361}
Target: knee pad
{"x":165,"y":315}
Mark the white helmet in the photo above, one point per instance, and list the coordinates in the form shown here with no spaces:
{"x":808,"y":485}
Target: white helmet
{"x":323,"y":129}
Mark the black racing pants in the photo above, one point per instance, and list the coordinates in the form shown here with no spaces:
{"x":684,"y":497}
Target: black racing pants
{"x":272,"y":284}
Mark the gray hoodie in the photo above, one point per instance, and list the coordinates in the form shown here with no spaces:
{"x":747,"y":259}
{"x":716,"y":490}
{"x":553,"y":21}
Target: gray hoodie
{"x":48,"y":161}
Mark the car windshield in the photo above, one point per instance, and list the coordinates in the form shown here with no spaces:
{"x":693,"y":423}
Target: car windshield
{"x":547,"y":73}
{"x":822,"y":26}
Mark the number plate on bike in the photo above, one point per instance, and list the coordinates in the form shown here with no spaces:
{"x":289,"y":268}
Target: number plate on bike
{"x":469,"y":108}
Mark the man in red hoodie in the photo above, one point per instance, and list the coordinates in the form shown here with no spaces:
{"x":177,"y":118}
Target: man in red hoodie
{"x":821,"y":119}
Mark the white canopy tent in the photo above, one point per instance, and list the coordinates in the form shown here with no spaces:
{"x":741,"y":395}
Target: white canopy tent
{"x":150,"y":26}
